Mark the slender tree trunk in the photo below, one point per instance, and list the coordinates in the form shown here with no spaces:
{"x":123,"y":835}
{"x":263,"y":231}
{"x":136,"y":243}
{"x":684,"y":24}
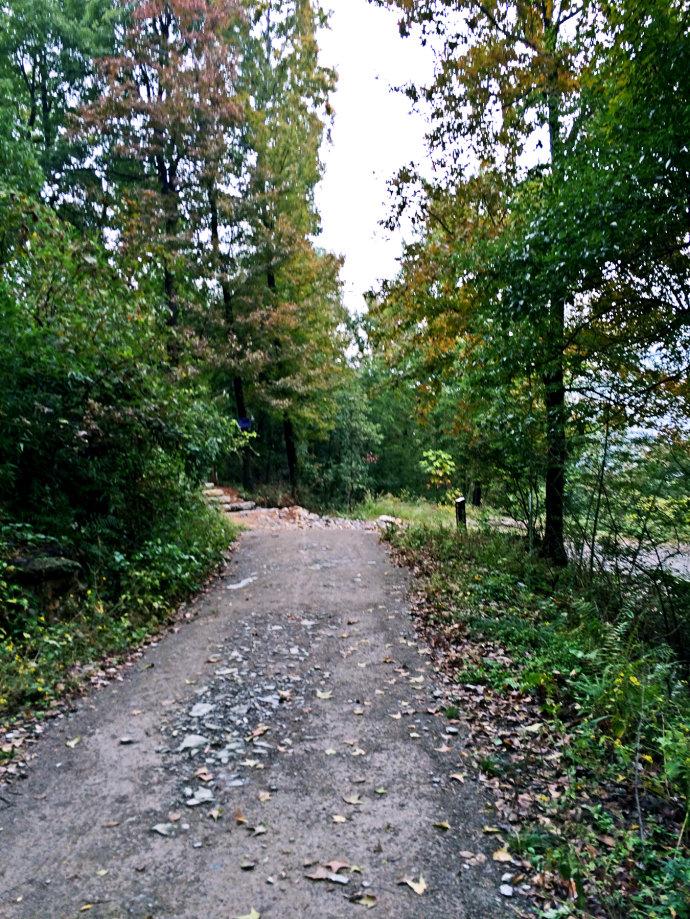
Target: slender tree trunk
{"x":228,"y":314}
{"x":553,"y":547}
{"x":170,"y":290}
{"x":237,"y":384}
{"x":477,"y":495}
{"x":291,"y":450}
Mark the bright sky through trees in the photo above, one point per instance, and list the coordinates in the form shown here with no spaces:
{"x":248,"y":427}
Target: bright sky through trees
{"x":374,"y":135}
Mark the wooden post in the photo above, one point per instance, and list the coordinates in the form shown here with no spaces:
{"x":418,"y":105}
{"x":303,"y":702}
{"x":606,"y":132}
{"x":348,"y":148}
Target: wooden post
{"x":461,"y":512}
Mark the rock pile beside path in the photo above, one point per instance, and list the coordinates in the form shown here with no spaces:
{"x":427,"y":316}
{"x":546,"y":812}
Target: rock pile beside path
{"x":268,"y":518}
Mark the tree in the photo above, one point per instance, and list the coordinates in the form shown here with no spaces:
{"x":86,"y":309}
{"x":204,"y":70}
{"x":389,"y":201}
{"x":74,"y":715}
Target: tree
{"x":166,"y":105}
{"x":508,"y":82}
{"x":282,"y":302}
{"x":569,"y":259}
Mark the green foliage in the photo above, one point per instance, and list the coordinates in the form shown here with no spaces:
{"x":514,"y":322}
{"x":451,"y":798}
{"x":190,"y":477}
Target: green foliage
{"x":41,"y":657}
{"x":337,"y":471}
{"x":102,"y":450}
{"x":439,"y":469}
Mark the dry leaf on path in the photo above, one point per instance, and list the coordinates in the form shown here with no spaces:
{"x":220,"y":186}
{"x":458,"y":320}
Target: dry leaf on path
{"x":322,"y":694}
{"x":354,"y":800}
{"x":72,"y":744}
{"x":322,"y":873}
{"x":502,"y":855}
{"x":338,"y":818}
{"x":419,"y":886}
{"x":251,"y":915}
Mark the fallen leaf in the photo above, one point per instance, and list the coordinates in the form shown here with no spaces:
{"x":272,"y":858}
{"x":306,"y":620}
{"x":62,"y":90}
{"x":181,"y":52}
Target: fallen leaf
{"x":264,"y":796}
{"x":322,"y":873}
{"x":86,"y":907}
{"x":239,"y":817}
{"x":358,"y":751}
{"x":259,"y":830}
{"x":163,"y":829}
{"x":380,"y":791}
{"x":331,"y":752}
{"x":203,"y":774}
{"x":367,"y":899}
{"x":109,"y":824}
{"x":338,"y":818}
{"x":324,"y":694}
{"x":247,"y":865}
{"x":490,"y":829}
{"x":216,"y":813}
{"x":336,"y":866}
{"x":458,"y":777}
{"x":442,"y":825}
{"x":251,"y":915}
{"x":354,"y":800}
{"x":502,"y":855}
{"x":419,"y":886}
{"x":72,"y":744}
{"x":101,"y":873}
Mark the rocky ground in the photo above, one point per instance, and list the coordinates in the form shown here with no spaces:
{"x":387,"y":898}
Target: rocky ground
{"x":284,"y":754}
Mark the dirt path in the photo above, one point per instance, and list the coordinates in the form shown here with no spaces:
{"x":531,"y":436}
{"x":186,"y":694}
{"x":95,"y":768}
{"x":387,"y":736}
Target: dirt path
{"x":298,"y":697}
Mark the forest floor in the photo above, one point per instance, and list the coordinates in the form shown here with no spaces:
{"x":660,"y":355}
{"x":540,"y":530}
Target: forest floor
{"x":285,"y":753}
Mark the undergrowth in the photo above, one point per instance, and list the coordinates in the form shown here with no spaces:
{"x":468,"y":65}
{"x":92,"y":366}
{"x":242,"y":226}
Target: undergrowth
{"x":120,"y":600}
{"x":612,"y":694}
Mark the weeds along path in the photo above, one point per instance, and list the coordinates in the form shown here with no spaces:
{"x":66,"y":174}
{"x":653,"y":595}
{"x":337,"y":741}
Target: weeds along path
{"x":281,"y":755}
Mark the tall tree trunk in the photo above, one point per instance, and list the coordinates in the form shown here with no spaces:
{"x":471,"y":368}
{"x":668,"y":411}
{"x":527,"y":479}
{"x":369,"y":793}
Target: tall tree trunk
{"x":553,"y":547}
{"x":228,"y":314}
{"x":237,"y":384}
{"x":291,"y":451}
{"x":170,"y":290}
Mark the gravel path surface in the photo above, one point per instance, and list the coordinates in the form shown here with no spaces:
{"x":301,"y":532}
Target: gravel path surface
{"x":289,"y":730}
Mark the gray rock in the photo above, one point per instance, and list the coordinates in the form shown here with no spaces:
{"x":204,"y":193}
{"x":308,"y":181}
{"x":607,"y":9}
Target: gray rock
{"x":192,"y":742}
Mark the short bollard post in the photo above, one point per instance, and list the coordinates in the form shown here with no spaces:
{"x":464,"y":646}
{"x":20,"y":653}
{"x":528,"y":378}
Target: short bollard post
{"x":461,"y":513}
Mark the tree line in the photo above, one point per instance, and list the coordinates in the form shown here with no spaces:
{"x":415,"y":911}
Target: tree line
{"x":166,"y":308}
{"x":541,"y":317}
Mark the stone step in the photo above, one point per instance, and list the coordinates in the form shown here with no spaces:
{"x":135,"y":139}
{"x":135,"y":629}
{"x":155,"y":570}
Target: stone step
{"x":214,"y":493}
{"x":234,"y":507}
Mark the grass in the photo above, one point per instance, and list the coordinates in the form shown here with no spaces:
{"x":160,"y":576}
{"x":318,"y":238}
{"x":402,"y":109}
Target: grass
{"x":418,"y":511}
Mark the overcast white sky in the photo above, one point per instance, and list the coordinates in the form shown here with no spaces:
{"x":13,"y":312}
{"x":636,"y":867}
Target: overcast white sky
{"x":374,"y":135}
